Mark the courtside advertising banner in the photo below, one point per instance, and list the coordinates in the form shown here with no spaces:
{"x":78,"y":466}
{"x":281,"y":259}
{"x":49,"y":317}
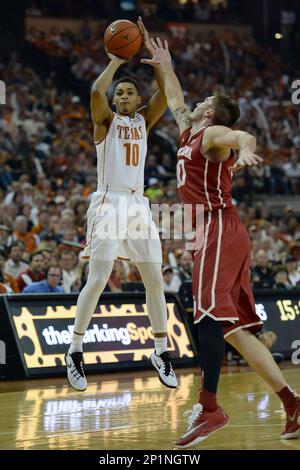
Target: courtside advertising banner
{"x":119,"y":333}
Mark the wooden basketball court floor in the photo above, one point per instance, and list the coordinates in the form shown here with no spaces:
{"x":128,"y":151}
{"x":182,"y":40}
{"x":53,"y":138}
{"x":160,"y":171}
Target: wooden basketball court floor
{"x":134,"y":411}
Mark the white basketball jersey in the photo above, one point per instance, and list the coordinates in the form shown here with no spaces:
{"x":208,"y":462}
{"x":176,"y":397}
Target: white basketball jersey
{"x":121,"y":155}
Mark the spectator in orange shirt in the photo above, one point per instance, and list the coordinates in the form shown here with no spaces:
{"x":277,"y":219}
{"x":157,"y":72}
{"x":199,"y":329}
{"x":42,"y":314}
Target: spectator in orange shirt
{"x":21,"y":234}
{"x":5,"y":278}
{"x":3,"y":289}
{"x":134,"y":274}
{"x":43,"y":222}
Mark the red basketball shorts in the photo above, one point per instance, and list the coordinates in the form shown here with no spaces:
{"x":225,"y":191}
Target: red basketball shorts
{"x":221,"y":282}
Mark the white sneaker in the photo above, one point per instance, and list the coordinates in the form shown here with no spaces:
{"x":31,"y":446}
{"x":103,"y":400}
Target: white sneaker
{"x":75,"y":371}
{"x":163,"y":365}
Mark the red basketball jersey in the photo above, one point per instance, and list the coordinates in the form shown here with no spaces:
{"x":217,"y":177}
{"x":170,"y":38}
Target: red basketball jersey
{"x":199,"y":180}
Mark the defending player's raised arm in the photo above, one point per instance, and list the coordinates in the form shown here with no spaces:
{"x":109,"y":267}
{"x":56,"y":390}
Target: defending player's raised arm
{"x":100,"y":109}
{"x":175,"y":99}
{"x":157,"y":104}
{"x":218,"y":140}
{"x":226,"y":138}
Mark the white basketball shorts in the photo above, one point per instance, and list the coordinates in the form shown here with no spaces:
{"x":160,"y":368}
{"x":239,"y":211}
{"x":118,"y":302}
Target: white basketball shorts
{"x":120,"y":225}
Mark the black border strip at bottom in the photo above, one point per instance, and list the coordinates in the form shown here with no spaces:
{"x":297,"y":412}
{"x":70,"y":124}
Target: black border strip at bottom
{"x":136,"y":458}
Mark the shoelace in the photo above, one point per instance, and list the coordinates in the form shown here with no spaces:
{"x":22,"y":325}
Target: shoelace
{"x":193,"y":414}
{"x":77,"y":360}
{"x":75,"y":373}
{"x":168,"y":370}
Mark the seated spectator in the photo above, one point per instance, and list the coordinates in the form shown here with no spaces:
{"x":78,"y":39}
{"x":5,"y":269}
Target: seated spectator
{"x":185,"y":266}
{"x":4,"y":288}
{"x":114,"y":283}
{"x":66,"y":223}
{"x":68,"y":261}
{"x":52,"y":209}
{"x":48,"y":255}
{"x":14,"y":264}
{"x":172,"y":282}
{"x":267,"y":245}
{"x":48,"y":243}
{"x":43,"y":223}
{"x":70,"y":235}
{"x":262,"y":276}
{"x":26,"y":211}
{"x":50,"y":284}
{"x":281,"y":281}
{"x":134,"y":274}
{"x":54,"y":225}
{"x":293,"y":273}
{"x":22,"y":234}
{"x":34,"y":273}
{"x":7,"y":279}
{"x":28,"y":191}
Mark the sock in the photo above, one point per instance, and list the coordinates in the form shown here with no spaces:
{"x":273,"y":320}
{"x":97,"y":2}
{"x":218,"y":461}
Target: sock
{"x":76,"y":343}
{"x":161,"y":345}
{"x":208,"y":400}
{"x":288,"y":397}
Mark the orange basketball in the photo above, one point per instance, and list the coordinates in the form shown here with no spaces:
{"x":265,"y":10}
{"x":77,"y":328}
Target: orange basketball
{"x":123,"y":39}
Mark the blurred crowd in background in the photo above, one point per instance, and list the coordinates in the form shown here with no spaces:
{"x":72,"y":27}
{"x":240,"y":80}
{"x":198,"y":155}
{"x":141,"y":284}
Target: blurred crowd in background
{"x":48,"y":159}
{"x":164,"y":10}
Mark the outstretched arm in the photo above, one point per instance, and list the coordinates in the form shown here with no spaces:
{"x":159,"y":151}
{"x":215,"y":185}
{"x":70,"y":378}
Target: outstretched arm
{"x":100,"y":109}
{"x":218,"y":140}
{"x":162,"y":59}
{"x":157,"y":104}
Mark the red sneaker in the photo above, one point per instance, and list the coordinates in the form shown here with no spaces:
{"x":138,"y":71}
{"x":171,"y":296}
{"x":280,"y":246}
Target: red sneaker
{"x":201,"y":425}
{"x":292,"y":427}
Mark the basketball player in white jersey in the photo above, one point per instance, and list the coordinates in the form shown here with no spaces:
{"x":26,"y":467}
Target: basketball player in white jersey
{"x":121,"y":143}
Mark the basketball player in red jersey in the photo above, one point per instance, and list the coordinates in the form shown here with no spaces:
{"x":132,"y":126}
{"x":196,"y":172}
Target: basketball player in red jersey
{"x":224,"y":302}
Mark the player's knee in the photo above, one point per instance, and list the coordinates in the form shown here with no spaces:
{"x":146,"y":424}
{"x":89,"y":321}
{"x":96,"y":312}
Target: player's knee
{"x":98,"y":282}
{"x":155,"y":282}
{"x":230,"y":339}
{"x":233,"y":338}
{"x":237,"y":337}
